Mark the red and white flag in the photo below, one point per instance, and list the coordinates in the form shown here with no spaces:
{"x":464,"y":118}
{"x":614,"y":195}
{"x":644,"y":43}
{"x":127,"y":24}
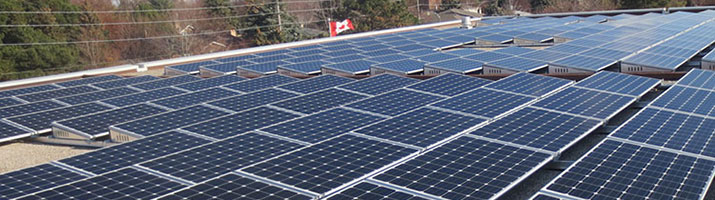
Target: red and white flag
{"x":338,"y":27}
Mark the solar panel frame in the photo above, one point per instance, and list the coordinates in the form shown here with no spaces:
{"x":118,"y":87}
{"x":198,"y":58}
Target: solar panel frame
{"x":90,"y":80}
{"x":322,"y":100}
{"x":166,"y":82}
{"x":98,"y":95}
{"x":195,"y":98}
{"x":28,"y":90}
{"x":316,"y":83}
{"x":450,"y":84}
{"x":234,"y":186}
{"x":10,"y":131}
{"x":95,"y":125}
{"x":619,"y":83}
{"x":240,"y":123}
{"x":125,"y":82}
{"x":589,"y":103}
{"x":261,"y":83}
{"x":63,"y":92}
{"x":379,"y":84}
{"x":32,"y":179}
{"x":143,"y":97}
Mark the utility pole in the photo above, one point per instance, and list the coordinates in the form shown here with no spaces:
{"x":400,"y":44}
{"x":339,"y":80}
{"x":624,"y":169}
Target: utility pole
{"x":278,"y":11}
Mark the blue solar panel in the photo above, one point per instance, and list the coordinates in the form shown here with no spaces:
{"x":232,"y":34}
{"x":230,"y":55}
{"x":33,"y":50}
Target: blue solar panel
{"x":41,"y":121}
{"x":98,"y":95}
{"x":323,"y":125}
{"x":345,"y":58}
{"x":403,"y":42}
{"x":316,"y":83}
{"x":518,"y":64}
{"x":488,"y":56}
{"x":460,"y":39}
{"x":418,"y":53}
{"x":605,"y":53}
{"x":586,"y":102}
{"x":276,"y":52}
{"x":699,"y":78}
{"x":167,"y":121}
{"x":10,"y":132}
{"x":28,"y":108}
{"x":412,"y":47}
{"x":86,"y":81}
{"x":304,"y":59}
{"x":236,"y":58}
{"x":27,"y":90}
{"x":483,"y":102}
{"x":497,"y":38}
{"x":565,"y":48}
{"x":381,"y":52}
{"x":439,"y":43}
{"x":687,"y":100}
{"x":584,"y":63}
{"x":95,"y":125}
{"x":125,"y":183}
{"x":142,"y":97}
{"x":544,"y":55}
{"x":9,"y":101}
{"x":191,"y":67}
{"x":331,"y":164}
{"x":538,"y":37}
{"x":337,"y":47}
{"x":125,"y":82}
{"x":342,"y":52}
{"x":464,"y":52}
{"x":436,"y":57}
{"x":264,"y":68}
{"x":131,"y":153}
{"x":261,"y":83}
{"x":573,"y":35}
{"x":426,"y":127}
{"x":366,"y":190}
{"x":318,"y":101}
{"x":25,"y":181}
{"x":406,"y":66}
{"x":240,"y":123}
{"x":185,"y":100}
{"x":232,"y":186}
{"x":616,"y":170}
{"x":63,"y":92}
{"x":657,"y":61}
{"x":466,"y":168}
{"x":312,"y":67}
{"x":210,"y":82}
{"x":710,"y":56}
{"x":352,"y":67}
{"x":627,"y":47}
{"x":221,"y":157}
{"x":273,"y":58}
{"x":672,"y":51}
{"x":252,"y":100}
{"x":457,"y":65}
{"x":228,"y":67}
{"x":529,"y":84}
{"x":387,"y":58}
{"x":450,"y":84}
{"x":619,"y":83}
{"x":373,"y":47}
{"x":166,"y":82}
{"x":308,"y":52}
{"x":514,"y":50}
{"x":395,"y":102}
{"x":379,"y":84}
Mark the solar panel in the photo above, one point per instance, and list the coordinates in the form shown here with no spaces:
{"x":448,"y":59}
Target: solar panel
{"x":236,"y":58}
{"x":27,"y":90}
{"x":191,"y":68}
{"x":318,"y":101}
{"x":252,"y":100}
{"x":221,"y":157}
{"x":134,"y":152}
{"x":419,"y":52}
{"x":28,"y":108}
{"x":536,"y":37}
{"x":395,"y":102}
{"x":366,"y":190}
{"x":656,"y":61}
{"x":672,"y":51}
{"x":569,"y":49}
{"x":125,"y":183}
{"x":450,"y":84}
{"x":228,"y":67}
{"x":545,"y":55}
{"x":411,"y":47}
{"x":63,"y":92}
{"x":436,"y":57}
{"x":605,"y":53}
{"x":518,"y":64}
{"x":305,"y":59}
{"x":484,"y":102}
{"x":672,"y":130}
{"x":586,"y":102}
{"x":528,"y":84}
{"x":337,"y":47}
{"x":342,"y":52}
{"x":460,"y":39}
{"x":312,"y":67}
{"x":185,"y":100}
{"x":261,"y":83}
{"x":352,"y":67}
{"x":488,"y":56}
{"x":10,"y":132}
{"x":619,"y":83}
{"x":464,"y":52}
{"x":21,"y":182}
{"x":239,"y":123}
{"x":699,"y":78}
{"x":142,"y":97}
{"x":543,"y":196}
{"x":514,"y":50}
{"x":40,"y":121}
{"x":9,"y":101}
{"x":98,"y":95}
{"x":406,"y":66}
{"x":167,"y":121}
{"x":457,"y":65}
{"x":272,"y":58}
{"x":689,"y":100}
{"x":496,"y":38}
{"x":166,"y":82}
{"x":211,"y":82}
{"x":381,"y":52}
{"x":387,"y":58}
{"x":379,"y":84}
{"x":316,"y":83}
{"x":466,"y":168}
{"x":373,"y":47}
{"x":573,"y":35}
{"x":323,"y":125}
{"x":345,"y":58}
{"x":422,"y":127}
{"x":306,"y":52}
{"x":95,"y":125}
{"x":232,"y":186}
{"x":440,"y":43}
{"x":625,"y":171}
{"x":125,"y":82}
{"x":583,"y":62}
{"x":90,"y":80}
{"x":331,"y":164}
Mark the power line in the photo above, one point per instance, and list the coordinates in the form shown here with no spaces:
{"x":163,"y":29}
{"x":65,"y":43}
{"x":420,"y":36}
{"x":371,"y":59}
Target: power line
{"x":151,"y":10}
{"x":148,"y":38}
{"x":159,"y":22}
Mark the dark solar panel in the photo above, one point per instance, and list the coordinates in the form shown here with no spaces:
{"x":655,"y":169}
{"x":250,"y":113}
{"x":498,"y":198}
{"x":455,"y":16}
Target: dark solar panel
{"x":40,"y":121}
{"x":21,"y":182}
{"x":316,"y":83}
{"x":63,"y":92}
{"x":366,"y":190}
{"x":98,"y":95}
{"x":484,"y":102}
{"x":170,"y":120}
{"x":232,"y":186}
{"x":318,"y":101}
{"x":194,"y":98}
{"x":528,"y":84}
{"x":29,"y":108}
{"x":166,"y":82}
{"x":252,"y":100}
{"x":619,"y":83}
{"x":211,"y":82}
{"x":687,"y":100}
{"x":322,"y":126}
{"x":395,"y":102}
{"x":143,"y":97}
{"x":239,"y":123}
{"x":27,"y":90}
{"x":450,"y":84}
{"x":95,"y":125}
{"x":125,"y":82}
{"x":90,"y":80}
{"x":261,"y":83}
{"x":586,"y":102}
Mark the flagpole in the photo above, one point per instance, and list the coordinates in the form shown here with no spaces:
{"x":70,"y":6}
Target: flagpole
{"x":329,"y":26}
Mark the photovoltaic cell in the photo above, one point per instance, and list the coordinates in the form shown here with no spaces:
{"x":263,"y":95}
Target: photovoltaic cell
{"x":185,"y":100}
{"x":214,"y":159}
{"x":616,"y":170}
{"x":166,"y":121}
{"x":484,"y":102}
{"x":450,"y":84}
{"x":9,"y":132}
{"x":545,"y":55}
{"x":518,"y":64}
{"x":366,"y":190}
{"x":125,"y":82}
{"x":318,"y":101}
{"x":436,"y":57}
{"x":395,"y":102}
{"x":699,"y":78}
{"x":379,"y":84}
{"x":345,"y":58}
{"x":134,"y":152}
{"x":388,"y":58}
{"x":457,"y":65}
{"x":316,"y":83}
{"x":33,"y":179}
{"x":671,"y":130}
{"x":240,"y":123}
{"x":166,"y":82}
{"x":528,"y":84}
{"x":261,"y":83}
{"x":95,"y":125}
{"x":42,"y":120}
{"x":342,"y":52}
{"x":39,"y":96}
{"x":619,"y":83}
{"x":488,"y":56}
{"x":306,"y":59}
{"x":191,"y":67}
{"x":252,"y":100}
{"x":232,"y":186}
{"x":85,"y":81}
{"x":406,"y":66}
{"x":586,"y":102}
{"x":422,"y":127}
{"x":125,"y":183}
{"x":211,"y":82}
{"x":565,"y":48}
{"x":687,"y":100}
{"x":272,"y":58}
{"x":464,"y":51}
{"x":28,"y":108}
{"x":98,"y":95}
{"x":514,"y":50}
{"x":9,"y":101}
{"x":584,"y":62}
{"x":381,"y":52}
{"x":322,"y":126}
{"x":418,"y":53}
{"x":330,"y":164}
{"x":142,"y":97}
{"x":655,"y":60}
{"x":264,"y":68}
{"x":27,"y":90}
{"x":466,"y":168}
{"x":540,"y":129}
{"x":353,"y":67}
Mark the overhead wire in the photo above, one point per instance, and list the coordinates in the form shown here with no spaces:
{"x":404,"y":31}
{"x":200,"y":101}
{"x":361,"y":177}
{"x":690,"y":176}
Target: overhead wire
{"x":155,"y":10}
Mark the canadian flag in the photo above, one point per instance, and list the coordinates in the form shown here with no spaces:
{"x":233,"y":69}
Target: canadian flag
{"x":338,"y":27}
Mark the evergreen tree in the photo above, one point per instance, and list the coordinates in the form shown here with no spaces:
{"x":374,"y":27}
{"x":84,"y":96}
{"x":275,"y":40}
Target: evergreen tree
{"x":262,"y":26}
{"x":368,"y":15}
